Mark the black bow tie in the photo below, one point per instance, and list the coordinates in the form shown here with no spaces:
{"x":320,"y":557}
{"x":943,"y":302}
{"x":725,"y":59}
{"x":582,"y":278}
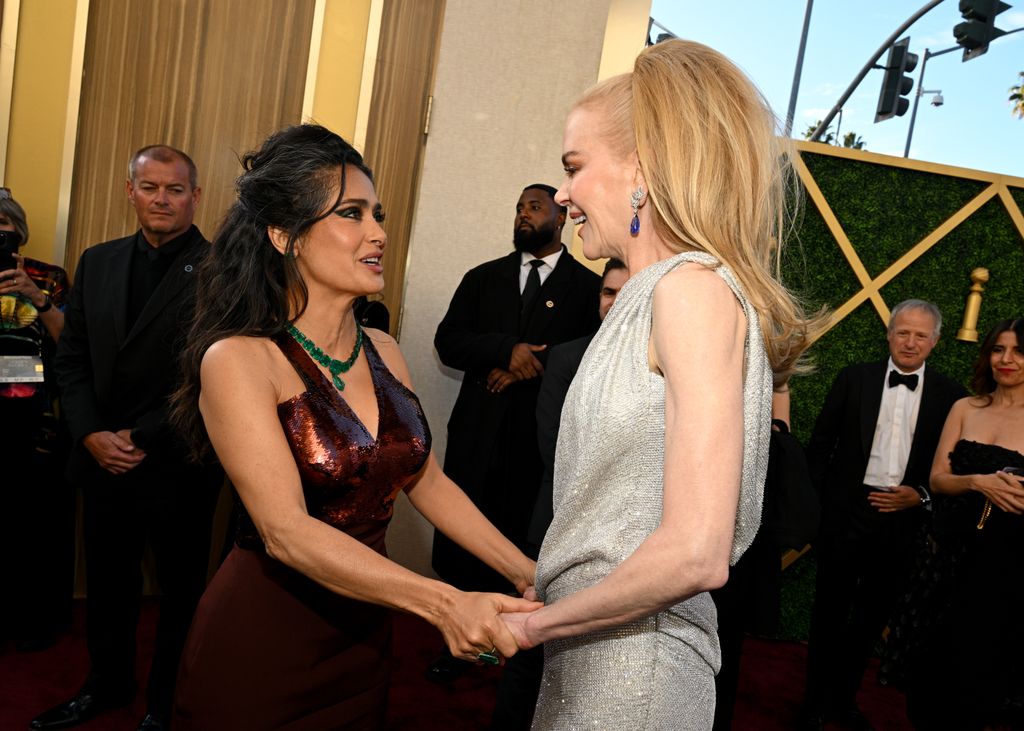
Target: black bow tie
{"x":909,"y":380}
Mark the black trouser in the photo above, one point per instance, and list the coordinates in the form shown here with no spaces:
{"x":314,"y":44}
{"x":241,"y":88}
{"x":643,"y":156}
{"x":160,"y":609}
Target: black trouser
{"x":504,"y":491}
{"x":749,"y":601}
{"x":518,"y":691}
{"x":860,"y":574}
{"x":37,"y":530}
{"x":171,"y":508}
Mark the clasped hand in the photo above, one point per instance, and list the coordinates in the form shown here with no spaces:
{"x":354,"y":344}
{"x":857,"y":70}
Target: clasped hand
{"x":114,"y":451}
{"x":898,"y":498}
{"x":474,"y":624}
{"x":1004,"y":490}
{"x":522,"y":366}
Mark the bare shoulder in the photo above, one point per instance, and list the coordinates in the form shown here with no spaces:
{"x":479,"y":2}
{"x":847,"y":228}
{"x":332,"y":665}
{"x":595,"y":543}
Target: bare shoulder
{"x":236,"y":349}
{"x":968,"y":404}
{"x":390,"y":353}
{"x":963,"y":410}
{"x":696,"y":320}
{"x":693,"y":291}
{"x":240,"y":359}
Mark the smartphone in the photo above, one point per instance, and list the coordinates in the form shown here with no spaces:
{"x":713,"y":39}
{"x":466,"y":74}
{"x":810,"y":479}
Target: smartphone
{"x":9,"y":242}
{"x":1013,"y":470}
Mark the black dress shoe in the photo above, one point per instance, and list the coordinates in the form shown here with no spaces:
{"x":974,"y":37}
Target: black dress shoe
{"x":78,"y":710}
{"x":446,"y":669}
{"x":154,"y":722}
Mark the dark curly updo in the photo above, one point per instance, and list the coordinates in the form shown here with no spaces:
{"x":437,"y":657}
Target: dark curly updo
{"x":245,"y":285}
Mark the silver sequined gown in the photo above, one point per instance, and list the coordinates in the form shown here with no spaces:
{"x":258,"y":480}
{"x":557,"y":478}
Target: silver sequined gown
{"x":657,"y":672}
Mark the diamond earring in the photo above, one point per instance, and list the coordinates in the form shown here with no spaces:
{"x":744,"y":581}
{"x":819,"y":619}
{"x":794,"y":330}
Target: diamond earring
{"x":634,"y":201}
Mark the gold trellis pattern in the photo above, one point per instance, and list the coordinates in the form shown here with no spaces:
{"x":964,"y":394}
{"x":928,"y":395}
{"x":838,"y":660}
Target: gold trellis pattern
{"x":998,"y":186}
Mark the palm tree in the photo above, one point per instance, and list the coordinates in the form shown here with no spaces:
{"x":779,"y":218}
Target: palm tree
{"x":850,"y":139}
{"x":1017,"y":97}
{"x":853,"y":141}
{"x":828,"y":137}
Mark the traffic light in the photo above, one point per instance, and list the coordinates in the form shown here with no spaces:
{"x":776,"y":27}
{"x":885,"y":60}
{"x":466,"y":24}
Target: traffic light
{"x":892,"y":100}
{"x":979,"y":26}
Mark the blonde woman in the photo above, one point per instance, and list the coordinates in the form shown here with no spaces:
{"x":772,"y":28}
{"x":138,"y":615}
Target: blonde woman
{"x":676,"y":170}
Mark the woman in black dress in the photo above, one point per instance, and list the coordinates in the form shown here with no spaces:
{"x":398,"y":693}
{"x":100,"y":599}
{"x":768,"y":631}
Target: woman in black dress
{"x":969,"y":672}
{"x":315,"y":423}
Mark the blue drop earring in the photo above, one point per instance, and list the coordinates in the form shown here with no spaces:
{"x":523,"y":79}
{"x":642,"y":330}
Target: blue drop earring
{"x":634,"y":201}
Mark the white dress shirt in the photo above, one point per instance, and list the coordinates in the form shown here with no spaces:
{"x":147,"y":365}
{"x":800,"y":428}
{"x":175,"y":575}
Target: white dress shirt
{"x":544,"y":270}
{"x":894,"y":430}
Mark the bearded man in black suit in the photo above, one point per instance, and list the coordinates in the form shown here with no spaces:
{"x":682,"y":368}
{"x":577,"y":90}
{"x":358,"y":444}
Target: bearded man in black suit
{"x":117,"y":365}
{"x":870,"y":456}
{"x":502,"y":320}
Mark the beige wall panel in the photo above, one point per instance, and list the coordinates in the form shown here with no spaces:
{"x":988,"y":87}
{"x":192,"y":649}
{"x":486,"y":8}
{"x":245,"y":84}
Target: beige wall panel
{"x":39,"y":102}
{"x":410,"y":30}
{"x":212,"y":77}
{"x":507,"y":74}
{"x":340,"y":70}
{"x":253,"y":73}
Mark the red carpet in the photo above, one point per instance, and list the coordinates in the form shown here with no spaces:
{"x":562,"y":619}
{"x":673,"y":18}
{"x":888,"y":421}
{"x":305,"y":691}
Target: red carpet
{"x":770,"y":687}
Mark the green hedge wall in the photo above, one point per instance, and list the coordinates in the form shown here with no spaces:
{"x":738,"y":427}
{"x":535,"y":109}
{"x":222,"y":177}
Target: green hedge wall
{"x":884,"y":212}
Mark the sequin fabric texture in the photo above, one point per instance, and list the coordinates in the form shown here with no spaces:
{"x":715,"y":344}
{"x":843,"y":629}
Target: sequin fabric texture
{"x":657,"y":672}
{"x":350,"y":479}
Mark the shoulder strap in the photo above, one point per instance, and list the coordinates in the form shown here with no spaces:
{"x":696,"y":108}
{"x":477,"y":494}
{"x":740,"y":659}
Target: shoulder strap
{"x":300,"y":360}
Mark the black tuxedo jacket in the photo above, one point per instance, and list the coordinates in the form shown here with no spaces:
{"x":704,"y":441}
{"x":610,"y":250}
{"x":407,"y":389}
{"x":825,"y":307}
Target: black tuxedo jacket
{"x":113,"y":378}
{"x":477,"y":334}
{"x":840,"y":445}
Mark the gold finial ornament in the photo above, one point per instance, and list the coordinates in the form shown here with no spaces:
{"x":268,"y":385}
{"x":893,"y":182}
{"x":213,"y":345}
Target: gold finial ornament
{"x":968,"y":332}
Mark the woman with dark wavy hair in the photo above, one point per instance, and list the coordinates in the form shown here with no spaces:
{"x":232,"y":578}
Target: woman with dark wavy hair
{"x":969,"y":674}
{"x":314,"y":421}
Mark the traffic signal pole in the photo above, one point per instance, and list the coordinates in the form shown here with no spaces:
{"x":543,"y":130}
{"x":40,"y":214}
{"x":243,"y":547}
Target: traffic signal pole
{"x":791,"y":112}
{"x":920,"y":90}
{"x":920,"y":85}
{"x":868,"y":66}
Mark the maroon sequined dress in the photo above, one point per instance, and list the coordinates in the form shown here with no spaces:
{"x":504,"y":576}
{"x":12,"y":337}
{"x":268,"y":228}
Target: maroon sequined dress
{"x":271,"y":649}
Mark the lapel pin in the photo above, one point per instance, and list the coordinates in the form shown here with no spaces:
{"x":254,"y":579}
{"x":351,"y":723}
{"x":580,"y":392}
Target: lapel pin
{"x":549,"y":304}
{"x":188,"y":267}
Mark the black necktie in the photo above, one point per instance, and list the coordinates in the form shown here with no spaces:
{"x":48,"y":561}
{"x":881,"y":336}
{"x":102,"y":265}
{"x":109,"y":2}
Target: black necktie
{"x":532,"y":285}
{"x":909,"y":380}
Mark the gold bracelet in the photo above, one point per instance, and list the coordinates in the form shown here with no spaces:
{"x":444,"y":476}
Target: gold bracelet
{"x":985,"y":512}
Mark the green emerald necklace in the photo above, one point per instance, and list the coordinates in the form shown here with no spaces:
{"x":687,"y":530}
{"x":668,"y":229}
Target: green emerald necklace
{"x":334,"y":367}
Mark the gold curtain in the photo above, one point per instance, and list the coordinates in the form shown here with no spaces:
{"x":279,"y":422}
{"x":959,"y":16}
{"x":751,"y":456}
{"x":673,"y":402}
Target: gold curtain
{"x":407,"y":56}
{"x":211,"y":77}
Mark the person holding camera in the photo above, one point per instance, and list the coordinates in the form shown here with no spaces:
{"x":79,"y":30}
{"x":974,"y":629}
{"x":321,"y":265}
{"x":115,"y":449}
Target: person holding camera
{"x":25,"y":281}
{"x":38,"y":523}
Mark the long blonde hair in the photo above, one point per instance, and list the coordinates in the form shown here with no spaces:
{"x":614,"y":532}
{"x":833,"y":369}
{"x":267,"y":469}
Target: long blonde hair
{"x":719,"y":178}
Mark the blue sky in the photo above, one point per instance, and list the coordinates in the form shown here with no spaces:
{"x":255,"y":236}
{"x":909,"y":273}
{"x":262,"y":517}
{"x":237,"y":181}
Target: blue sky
{"x":973,"y":129}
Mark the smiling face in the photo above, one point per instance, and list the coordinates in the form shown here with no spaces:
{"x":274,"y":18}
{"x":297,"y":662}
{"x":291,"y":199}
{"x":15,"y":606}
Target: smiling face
{"x":344,"y":251}
{"x":1007,"y":360}
{"x":597,"y":186}
{"x":911,"y":338}
{"x":164,"y":199}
